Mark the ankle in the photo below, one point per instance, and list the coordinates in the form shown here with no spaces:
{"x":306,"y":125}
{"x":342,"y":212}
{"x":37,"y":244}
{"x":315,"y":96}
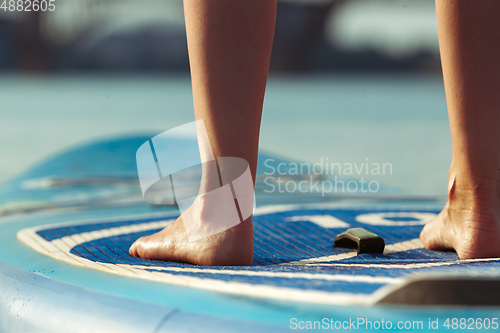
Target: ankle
{"x":473,"y":191}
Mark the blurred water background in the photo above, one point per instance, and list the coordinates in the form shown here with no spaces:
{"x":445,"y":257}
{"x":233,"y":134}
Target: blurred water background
{"x":351,"y":81}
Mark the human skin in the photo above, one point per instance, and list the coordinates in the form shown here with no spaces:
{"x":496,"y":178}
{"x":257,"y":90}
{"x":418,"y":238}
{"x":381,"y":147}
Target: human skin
{"x":229,"y":49}
{"x":468,"y":39}
{"x":229,"y":46}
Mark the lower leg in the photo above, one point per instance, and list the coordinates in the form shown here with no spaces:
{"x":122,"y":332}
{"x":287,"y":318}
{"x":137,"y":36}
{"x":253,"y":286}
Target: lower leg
{"x":229,"y":46}
{"x":468,"y":39}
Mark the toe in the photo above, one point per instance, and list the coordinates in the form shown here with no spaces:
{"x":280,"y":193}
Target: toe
{"x":432,"y":235}
{"x":426,"y":235}
{"x":134,"y":248}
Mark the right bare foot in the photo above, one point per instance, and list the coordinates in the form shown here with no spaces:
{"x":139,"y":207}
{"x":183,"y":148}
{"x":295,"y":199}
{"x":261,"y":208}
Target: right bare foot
{"x":216,"y":227}
{"x":470,"y":221}
{"x":232,"y":247}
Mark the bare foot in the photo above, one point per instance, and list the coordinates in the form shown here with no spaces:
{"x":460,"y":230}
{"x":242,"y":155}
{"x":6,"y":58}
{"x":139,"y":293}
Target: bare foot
{"x":232,"y":247}
{"x":470,"y":221}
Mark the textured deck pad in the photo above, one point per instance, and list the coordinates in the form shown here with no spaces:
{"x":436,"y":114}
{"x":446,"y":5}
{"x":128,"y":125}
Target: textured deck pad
{"x":294,"y":257}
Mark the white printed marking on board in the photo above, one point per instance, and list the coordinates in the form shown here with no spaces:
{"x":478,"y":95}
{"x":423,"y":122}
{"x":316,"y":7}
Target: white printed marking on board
{"x":383,"y":218}
{"x":325,"y":221}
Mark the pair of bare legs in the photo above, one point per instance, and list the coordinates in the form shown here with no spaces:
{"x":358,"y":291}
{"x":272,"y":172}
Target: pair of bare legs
{"x":229,"y":50}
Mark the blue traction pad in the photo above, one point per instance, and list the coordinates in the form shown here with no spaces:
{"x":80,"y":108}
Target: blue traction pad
{"x":282,"y":240}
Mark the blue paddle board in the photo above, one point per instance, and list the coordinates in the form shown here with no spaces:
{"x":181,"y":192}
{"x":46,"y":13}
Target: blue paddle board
{"x":67,"y":224}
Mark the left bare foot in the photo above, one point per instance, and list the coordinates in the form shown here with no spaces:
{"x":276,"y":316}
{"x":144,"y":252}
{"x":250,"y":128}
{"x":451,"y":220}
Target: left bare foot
{"x":470,"y":221}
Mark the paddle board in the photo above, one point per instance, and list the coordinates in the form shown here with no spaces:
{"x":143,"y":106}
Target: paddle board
{"x":67,"y":224}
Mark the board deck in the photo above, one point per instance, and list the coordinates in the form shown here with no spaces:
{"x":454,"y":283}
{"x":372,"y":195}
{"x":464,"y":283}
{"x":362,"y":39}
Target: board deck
{"x":66,"y":226}
{"x":294,"y":257}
